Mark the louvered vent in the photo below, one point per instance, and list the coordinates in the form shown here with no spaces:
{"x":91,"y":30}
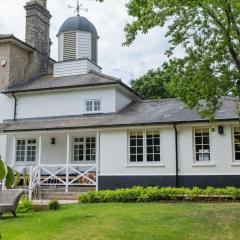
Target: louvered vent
{"x":94,"y":49}
{"x":69,"y":46}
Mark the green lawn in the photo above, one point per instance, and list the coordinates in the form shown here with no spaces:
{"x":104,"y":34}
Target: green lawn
{"x":128,"y":221}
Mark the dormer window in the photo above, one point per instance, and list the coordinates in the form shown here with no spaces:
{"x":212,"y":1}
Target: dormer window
{"x":93,"y":106}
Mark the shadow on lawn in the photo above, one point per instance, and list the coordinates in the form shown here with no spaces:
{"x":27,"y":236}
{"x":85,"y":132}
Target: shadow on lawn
{"x":9,"y":217}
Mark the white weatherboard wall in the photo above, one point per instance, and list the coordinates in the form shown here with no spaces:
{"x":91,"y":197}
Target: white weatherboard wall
{"x":70,"y":68}
{"x":114,"y":155}
{"x":63,"y":103}
{"x":221,"y":154}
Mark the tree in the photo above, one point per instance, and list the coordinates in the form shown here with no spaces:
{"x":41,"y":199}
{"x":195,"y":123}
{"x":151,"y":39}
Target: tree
{"x":209,"y":32}
{"x":153,"y":85}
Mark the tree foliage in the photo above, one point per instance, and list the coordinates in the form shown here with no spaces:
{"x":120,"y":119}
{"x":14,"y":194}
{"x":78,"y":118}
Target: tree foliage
{"x":153,"y":85}
{"x":209,"y":33}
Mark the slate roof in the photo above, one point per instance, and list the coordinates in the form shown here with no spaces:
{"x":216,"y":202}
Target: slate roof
{"x":47,"y":82}
{"x":139,"y":113}
{"x":7,"y":37}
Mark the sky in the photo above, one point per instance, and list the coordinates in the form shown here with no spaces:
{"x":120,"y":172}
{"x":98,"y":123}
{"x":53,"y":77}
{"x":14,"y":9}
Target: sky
{"x":110,"y":17}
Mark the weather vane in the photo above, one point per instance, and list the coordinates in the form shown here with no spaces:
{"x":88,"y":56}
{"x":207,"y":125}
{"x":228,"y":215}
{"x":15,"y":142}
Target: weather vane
{"x":78,"y":8}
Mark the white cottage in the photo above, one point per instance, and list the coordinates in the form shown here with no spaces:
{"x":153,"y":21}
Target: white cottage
{"x":67,"y":124}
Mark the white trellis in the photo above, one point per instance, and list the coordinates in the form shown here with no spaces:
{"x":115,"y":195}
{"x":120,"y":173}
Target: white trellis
{"x":62,"y":175}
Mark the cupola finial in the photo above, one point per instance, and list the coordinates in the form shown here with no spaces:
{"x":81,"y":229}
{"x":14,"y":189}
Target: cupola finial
{"x":78,"y":8}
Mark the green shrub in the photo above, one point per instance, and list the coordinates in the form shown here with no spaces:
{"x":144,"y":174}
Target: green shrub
{"x":154,"y":194}
{"x":17,"y":179}
{"x":10,"y":178}
{"x":2,"y":170}
{"x":25,"y":205}
{"x":54,"y":205}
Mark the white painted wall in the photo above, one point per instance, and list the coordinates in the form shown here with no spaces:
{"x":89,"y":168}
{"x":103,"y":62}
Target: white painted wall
{"x":221,"y":154}
{"x":121,"y":100}
{"x":114,"y":155}
{"x":6,"y":107}
{"x":63,"y":103}
{"x":114,"y":152}
{"x":6,"y":112}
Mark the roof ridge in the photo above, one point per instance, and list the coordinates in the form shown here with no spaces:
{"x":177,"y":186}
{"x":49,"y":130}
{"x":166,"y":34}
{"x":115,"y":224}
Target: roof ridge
{"x":161,"y":100}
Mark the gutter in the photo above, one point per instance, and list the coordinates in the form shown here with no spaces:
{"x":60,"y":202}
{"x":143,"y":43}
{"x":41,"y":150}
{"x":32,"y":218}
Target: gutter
{"x":15,"y":107}
{"x":176,"y":152}
{"x":107,"y":126}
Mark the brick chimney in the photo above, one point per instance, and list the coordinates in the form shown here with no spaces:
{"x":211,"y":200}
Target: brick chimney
{"x":37,"y":36}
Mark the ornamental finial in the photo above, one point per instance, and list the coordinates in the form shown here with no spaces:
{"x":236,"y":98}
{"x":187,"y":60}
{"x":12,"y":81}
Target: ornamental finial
{"x":78,"y":8}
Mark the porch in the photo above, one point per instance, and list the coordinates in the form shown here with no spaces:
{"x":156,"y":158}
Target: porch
{"x":55,"y":161}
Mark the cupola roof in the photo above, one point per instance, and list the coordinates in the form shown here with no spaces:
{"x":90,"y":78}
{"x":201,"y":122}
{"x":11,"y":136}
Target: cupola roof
{"x":78,"y":23}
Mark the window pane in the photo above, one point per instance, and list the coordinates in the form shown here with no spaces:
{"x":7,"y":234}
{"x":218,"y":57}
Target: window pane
{"x":133,"y":158}
{"x":157,"y":149}
{"x":153,"y":146}
{"x":156,"y":141}
{"x":133,"y":150}
{"x":237,"y":156}
{"x":157,"y":157}
{"x":237,"y":147}
{"x":205,"y":140}
{"x":140,"y":142}
{"x":140,"y":158}
{"x":149,"y":149}
{"x":133,"y":142}
{"x":150,"y":158}
{"x":149,"y":141}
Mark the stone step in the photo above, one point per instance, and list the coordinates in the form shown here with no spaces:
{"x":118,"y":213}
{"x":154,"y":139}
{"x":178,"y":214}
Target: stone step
{"x":60,"y":196}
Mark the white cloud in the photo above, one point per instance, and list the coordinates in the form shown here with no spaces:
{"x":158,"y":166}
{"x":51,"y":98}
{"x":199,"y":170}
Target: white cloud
{"x":109,"y":17}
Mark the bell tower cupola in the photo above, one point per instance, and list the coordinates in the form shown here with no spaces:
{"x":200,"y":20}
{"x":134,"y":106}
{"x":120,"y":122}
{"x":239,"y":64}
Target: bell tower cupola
{"x":77,"y":46}
{"x":78,"y":38}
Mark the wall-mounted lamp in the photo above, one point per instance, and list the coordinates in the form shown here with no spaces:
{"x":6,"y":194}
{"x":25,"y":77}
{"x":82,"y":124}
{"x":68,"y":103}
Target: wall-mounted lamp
{"x":3,"y":63}
{"x":221,"y":130}
{"x":53,"y":141}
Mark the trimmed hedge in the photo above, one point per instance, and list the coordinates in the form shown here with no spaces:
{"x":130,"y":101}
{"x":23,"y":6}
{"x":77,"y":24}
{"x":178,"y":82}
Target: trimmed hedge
{"x":155,"y":194}
{"x":10,"y":178}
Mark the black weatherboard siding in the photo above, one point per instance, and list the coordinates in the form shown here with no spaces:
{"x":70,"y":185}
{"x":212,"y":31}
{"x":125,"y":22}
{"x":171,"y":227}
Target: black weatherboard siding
{"x":115,"y":182}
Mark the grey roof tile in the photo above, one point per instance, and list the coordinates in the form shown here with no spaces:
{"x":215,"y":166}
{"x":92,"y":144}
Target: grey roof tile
{"x":49,"y":82}
{"x":138,"y":113}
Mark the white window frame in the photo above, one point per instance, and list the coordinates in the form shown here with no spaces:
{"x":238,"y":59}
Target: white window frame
{"x":195,"y":161}
{"x":92,"y":101}
{"x":144,"y":162}
{"x":25,"y":162}
{"x":233,"y":145}
{"x":84,"y":150}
